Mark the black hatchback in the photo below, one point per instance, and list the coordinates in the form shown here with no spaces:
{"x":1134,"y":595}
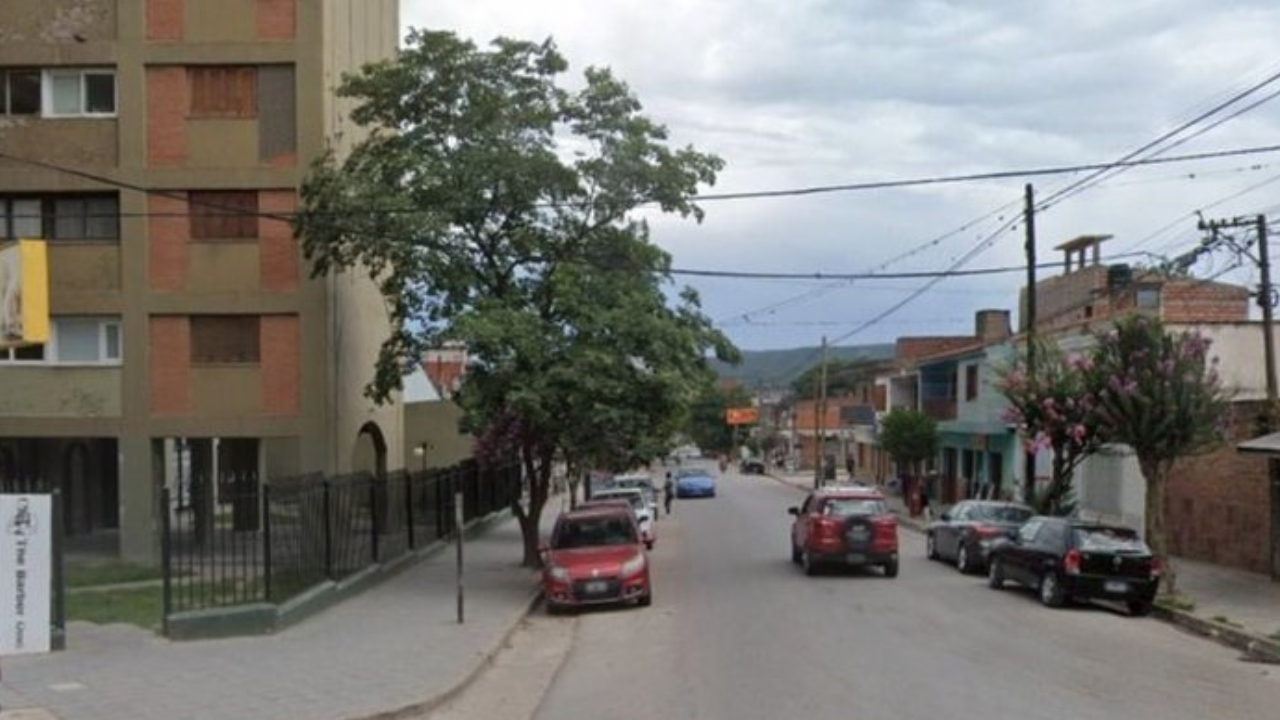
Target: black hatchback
{"x":1065,"y":560}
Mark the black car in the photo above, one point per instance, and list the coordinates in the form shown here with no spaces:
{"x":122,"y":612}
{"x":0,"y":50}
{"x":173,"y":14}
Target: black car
{"x":966,"y":532}
{"x":752,"y":466}
{"x":1066,"y":560}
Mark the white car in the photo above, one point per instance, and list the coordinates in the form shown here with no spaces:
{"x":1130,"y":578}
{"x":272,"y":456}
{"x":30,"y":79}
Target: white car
{"x":639,"y":500}
{"x":643,"y":482}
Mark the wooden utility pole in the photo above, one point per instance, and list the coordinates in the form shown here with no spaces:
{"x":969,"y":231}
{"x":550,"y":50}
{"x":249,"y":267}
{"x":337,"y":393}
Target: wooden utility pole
{"x":820,"y":422}
{"x":1029,"y":220}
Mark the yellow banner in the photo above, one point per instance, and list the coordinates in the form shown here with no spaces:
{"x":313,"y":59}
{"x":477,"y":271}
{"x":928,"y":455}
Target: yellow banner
{"x":24,"y":293}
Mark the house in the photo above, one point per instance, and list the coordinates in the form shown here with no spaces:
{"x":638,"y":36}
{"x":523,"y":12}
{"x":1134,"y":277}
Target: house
{"x":189,"y":342}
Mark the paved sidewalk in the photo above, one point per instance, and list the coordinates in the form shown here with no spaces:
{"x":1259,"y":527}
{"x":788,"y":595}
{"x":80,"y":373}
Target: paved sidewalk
{"x":395,"y":646}
{"x":1233,"y":606}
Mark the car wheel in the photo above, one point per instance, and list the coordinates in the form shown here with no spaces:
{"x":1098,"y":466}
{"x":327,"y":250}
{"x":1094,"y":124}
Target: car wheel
{"x":995,"y":574}
{"x":808,"y":563}
{"x":646,"y":599}
{"x":554,"y":608}
{"x":891,"y":569}
{"x":963,"y":561}
{"x":930,"y":547}
{"x":1051,"y":592}
{"x":795,"y":554}
{"x":1139,"y":608}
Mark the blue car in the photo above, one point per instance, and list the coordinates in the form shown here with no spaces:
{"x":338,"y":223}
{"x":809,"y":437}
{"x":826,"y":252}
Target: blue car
{"x":695,"y":485}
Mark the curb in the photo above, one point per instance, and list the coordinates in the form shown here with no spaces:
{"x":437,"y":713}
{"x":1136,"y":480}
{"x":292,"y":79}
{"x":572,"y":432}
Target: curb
{"x":1255,"y":647}
{"x":469,"y":678}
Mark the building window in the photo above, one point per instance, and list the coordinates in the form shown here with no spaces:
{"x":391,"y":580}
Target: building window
{"x":60,"y":217}
{"x":85,"y":340}
{"x":78,"y":93}
{"x":224,"y":91}
{"x":20,"y":92}
{"x":30,"y":353}
{"x":970,"y":382}
{"x":224,"y":339}
{"x":223,"y":215}
{"x":1147,"y":298}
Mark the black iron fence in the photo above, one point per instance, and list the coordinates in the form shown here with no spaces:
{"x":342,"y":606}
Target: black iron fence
{"x":240,"y":541}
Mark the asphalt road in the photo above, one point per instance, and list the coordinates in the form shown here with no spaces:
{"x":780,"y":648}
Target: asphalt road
{"x":736,"y":632}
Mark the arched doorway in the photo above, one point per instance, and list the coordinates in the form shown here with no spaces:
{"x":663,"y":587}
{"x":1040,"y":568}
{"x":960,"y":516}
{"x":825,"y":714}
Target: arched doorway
{"x":370,"y":453}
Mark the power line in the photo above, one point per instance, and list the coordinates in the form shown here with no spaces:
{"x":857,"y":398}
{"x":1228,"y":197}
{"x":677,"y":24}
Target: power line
{"x":952,"y":271}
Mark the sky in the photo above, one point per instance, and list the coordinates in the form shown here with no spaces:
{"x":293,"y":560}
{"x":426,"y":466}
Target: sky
{"x":804,"y":93}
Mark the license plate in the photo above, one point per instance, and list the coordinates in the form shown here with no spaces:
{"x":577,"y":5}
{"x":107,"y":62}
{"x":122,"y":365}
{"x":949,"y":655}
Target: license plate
{"x":859,"y":534}
{"x":1115,"y":586}
{"x":595,"y":586}
{"x":856,"y":557}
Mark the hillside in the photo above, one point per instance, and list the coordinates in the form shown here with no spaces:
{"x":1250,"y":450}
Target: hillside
{"x":777,"y":368}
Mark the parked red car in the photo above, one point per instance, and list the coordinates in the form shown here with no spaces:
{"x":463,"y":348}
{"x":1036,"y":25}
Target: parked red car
{"x":595,"y":556}
{"x":844,"y":525}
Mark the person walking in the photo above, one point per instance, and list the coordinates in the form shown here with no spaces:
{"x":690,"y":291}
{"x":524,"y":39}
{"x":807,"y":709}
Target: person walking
{"x":924,"y":501}
{"x":668,"y":493}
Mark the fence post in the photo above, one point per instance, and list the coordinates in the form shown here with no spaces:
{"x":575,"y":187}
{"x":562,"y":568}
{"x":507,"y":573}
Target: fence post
{"x":374,"y":482}
{"x":266,"y":541}
{"x":166,"y":560}
{"x":328,"y":534}
{"x":408,"y":504}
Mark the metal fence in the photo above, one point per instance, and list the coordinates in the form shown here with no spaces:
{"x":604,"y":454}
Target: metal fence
{"x":240,"y":541}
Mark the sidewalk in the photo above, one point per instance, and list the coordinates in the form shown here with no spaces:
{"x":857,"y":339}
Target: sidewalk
{"x":1239,"y":608}
{"x":396,"y":646}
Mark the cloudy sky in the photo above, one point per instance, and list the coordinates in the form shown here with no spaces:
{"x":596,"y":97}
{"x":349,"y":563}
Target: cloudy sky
{"x":802,"y":93}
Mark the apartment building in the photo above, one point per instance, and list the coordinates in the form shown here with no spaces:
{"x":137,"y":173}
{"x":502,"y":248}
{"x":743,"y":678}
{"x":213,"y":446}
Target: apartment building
{"x":158,"y":147}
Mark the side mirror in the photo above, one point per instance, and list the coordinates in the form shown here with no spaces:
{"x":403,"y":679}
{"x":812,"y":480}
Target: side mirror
{"x":945,"y":517}
{"x":793,"y":510}
{"x":648,"y":544}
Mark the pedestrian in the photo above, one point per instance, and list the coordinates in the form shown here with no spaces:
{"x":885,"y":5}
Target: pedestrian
{"x":924,"y":502}
{"x":848,"y":465}
{"x":668,"y":493}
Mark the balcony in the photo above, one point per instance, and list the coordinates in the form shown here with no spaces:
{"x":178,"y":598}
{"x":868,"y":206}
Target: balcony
{"x":60,"y":391}
{"x":939,"y":408}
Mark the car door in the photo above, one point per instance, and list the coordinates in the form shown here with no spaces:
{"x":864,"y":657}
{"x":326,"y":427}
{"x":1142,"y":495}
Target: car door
{"x":1045,"y":551}
{"x":949,"y":545}
{"x":800,"y":528}
{"x":1016,"y":555}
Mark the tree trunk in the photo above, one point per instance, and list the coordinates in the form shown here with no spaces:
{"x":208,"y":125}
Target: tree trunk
{"x":1154,"y":473}
{"x":537,"y":468}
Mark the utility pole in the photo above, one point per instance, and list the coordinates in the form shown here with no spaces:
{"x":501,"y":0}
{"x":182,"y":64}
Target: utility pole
{"x":820,"y":422}
{"x":1266,"y":300}
{"x":1029,"y":220}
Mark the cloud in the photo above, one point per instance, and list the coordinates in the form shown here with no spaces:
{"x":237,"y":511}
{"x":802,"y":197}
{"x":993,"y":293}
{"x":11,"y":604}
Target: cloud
{"x":813,"y":92}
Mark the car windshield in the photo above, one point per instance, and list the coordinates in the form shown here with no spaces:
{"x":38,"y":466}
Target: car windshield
{"x":848,"y":507}
{"x":594,"y":532}
{"x":1002,"y":513}
{"x":1096,"y":539}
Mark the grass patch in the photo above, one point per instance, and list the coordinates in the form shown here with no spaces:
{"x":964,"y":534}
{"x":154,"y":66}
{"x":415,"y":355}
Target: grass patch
{"x":140,"y":606}
{"x":1275,"y":636}
{"x":1223,"y":619}
{"x":1176,"y":602}
{"x":79,"y":576}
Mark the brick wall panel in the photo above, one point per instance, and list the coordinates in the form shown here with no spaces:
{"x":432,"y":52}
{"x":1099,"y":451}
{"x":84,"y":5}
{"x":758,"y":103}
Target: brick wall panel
{"x":276,"y":19}
{"x":167,"y":101}
{"x":164,"y":19}
{"x":281,"y":361}
{"x":279,"y":248}
{"x":170,"y":365}
{"x":167,"y":240}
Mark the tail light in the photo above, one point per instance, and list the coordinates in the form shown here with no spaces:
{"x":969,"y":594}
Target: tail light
{"x":1157,"y":568}
{"x":826,"y":528}
{"x":1071,"y":562}
{"x":884,"y":533}
{"x":987,"y":531}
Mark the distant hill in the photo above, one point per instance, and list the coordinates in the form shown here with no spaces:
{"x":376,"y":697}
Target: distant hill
{"x":777,"y":368}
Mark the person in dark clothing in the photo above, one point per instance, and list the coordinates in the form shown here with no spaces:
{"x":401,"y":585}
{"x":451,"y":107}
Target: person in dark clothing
{"x":924,"y":502}
{"x":668,"y":493}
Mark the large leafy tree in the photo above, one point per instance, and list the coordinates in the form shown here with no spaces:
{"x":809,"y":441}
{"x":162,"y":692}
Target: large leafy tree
{"x":910,"y":437}
{"x":1053,"y":406}
{"x":496,"y":208}
{"x":1159,"y":393}
{"x":843,"y":377}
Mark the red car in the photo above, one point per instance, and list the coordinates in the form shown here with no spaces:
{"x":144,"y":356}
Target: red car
{"x":595,"y":556}
{"x":844,"y":525}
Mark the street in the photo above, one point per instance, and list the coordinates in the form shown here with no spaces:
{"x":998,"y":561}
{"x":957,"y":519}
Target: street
{"x":737,"y":631}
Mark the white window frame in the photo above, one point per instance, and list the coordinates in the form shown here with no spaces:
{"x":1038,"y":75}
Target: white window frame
{"x":51,"y":354}
{"x":46,"y":94}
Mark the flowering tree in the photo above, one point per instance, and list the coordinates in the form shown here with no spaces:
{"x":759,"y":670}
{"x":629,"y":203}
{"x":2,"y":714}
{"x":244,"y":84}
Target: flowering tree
{"x":1053,"y":407}
{"x":1159,"y":393}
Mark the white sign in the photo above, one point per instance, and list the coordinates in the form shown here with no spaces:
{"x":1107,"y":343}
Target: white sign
{"x":26,"y":567}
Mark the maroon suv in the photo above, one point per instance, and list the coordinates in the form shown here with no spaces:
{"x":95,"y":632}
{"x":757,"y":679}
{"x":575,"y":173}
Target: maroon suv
{"x":844,"y":525}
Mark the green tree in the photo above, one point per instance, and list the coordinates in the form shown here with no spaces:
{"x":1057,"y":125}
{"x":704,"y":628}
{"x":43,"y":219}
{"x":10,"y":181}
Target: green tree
{"x":1159,"y":393}
{"x":843,"y":378}
{"x":1054,"y":407}
{"x":707,"y":426}
{"x":493,"y":207}
{"x":909,"y":436}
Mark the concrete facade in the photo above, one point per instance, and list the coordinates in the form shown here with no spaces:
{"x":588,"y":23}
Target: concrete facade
{"x":216,"y":105}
